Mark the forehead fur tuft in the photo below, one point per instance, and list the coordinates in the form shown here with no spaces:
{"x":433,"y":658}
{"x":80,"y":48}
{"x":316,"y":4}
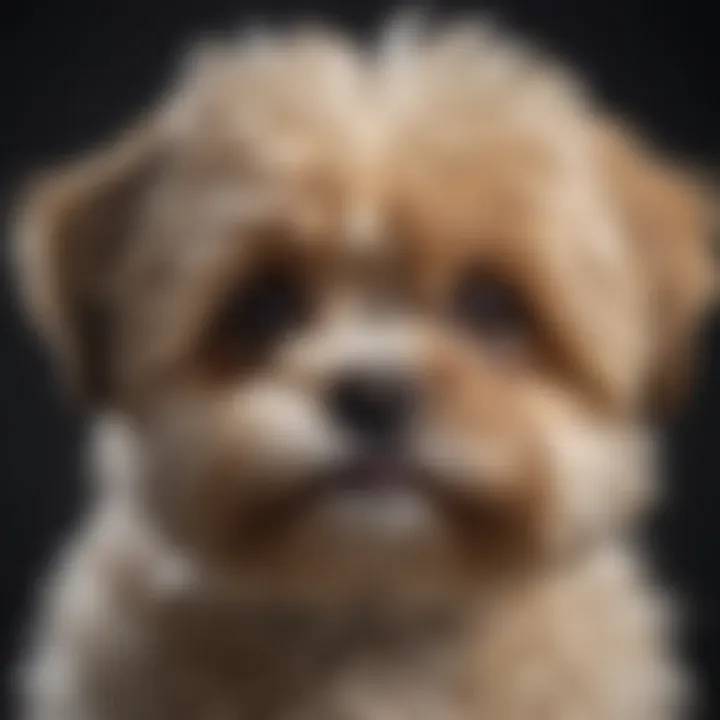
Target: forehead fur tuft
{"x":310,"y":79}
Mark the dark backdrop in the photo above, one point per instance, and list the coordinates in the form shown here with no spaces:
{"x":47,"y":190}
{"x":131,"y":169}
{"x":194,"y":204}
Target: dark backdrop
{"x":72,"y":74}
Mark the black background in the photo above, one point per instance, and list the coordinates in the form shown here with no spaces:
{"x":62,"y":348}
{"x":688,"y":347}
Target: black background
{"x":73,"y":74}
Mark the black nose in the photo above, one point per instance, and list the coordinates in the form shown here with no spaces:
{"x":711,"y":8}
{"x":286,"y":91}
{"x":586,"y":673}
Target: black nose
{"x":376,"y":407}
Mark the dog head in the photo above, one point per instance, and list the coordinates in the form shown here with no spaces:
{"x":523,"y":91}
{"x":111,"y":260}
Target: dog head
{"x":388,"y":320}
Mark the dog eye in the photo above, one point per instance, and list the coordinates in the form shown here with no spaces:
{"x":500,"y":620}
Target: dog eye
{"x":492,"y":310}
{"x":270,"y":305}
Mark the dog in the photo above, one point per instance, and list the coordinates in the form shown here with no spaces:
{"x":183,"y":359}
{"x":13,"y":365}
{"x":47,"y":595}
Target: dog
{"x":375,"y":339}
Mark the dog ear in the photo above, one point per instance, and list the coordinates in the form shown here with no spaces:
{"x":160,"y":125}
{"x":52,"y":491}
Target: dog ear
{"x":73,"y":226}
{"x":667,"y":211}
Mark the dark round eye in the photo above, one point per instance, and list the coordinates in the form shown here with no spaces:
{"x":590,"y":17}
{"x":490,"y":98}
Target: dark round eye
{"x":491,"y":309}
{"x":269,"y":305}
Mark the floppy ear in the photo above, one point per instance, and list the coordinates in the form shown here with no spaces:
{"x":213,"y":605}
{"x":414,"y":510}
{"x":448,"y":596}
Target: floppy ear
{"x":668,"y":214}
{"x":73,"y":227}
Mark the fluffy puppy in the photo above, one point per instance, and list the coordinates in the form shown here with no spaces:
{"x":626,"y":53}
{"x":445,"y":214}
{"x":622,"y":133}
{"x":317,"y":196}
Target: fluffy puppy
{"x":376,"y":339}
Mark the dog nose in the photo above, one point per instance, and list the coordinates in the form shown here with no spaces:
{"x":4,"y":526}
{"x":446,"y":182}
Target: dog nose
{"x":376,"y":407}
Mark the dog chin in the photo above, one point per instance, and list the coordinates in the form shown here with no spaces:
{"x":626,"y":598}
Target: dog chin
{"x":355,"y":534}
{"x":360,"y":508}
{"x":381,"y":515}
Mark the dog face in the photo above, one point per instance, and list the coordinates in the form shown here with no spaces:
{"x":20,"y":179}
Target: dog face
{"x":383,"y":323}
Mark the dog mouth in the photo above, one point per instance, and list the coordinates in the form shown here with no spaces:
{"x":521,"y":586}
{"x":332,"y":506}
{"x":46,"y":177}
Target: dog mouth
{"x":374,"y":475}
{"x":384,"y":498}
{"x":371,"y":479}
{"x":374,"y":483}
